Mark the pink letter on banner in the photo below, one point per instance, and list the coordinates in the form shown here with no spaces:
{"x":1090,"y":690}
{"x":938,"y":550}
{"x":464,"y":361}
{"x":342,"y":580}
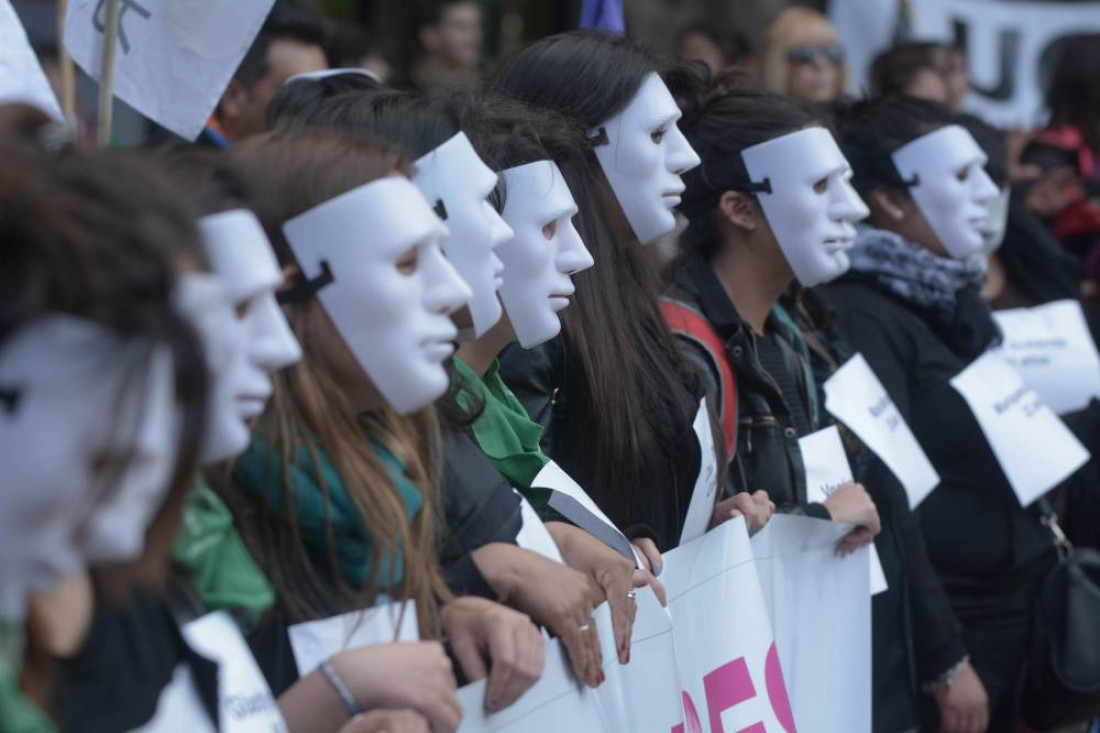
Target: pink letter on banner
{"x":777,"y":691}
{"x":727,"y":686}
{"x":691,"y":717}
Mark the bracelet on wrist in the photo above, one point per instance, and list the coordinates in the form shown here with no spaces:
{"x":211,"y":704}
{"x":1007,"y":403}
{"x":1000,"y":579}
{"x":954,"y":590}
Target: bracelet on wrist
{"x":947,"y":678}
{"x":336,"y":682}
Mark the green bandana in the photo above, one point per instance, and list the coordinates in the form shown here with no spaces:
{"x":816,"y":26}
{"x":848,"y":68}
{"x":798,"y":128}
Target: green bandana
{"x":17,"y":713}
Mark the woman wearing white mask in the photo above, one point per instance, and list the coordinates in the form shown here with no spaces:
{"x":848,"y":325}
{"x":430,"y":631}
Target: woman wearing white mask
{"x":336,"y":497}
{"x":912,"y":307}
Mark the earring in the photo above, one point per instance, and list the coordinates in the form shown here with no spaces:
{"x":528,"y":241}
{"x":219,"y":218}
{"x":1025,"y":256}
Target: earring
{"x":898,"y":214}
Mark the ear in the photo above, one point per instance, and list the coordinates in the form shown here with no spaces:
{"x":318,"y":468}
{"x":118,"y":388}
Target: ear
{"x":740,"y":210}
{"x":890,"y":204}
{"x":233,"y":101}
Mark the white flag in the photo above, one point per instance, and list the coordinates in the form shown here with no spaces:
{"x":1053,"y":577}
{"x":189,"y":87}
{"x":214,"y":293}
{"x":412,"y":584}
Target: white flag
{"x":21,"y":76}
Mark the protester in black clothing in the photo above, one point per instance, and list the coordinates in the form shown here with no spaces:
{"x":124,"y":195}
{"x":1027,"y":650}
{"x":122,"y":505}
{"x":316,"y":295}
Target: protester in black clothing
{"x":915,"y":314}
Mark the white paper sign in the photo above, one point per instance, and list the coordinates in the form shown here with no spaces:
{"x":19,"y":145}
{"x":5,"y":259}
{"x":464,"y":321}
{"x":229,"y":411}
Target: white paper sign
{"x":21,"y":76}
{"x":1035,"y":449}
{"x":856,"y":397}
{"x":827,"y":468}
{"x":574,"y":503}
{"x":701,"y":508}
{"x":174,"y":57}
{"x":247,"y":705}
{"x":729,"y":666}
{"x":534,"y":536}
{"x":1053,"y":350}
{"x":179,"y":707}
{"x":820,"y":613}
{"x":315,"y":641}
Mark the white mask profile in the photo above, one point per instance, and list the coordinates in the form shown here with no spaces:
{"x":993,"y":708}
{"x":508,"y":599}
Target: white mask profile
{"x":946,"y":177}
{"x":238,"y":388}
{"x":59,"y":377}
{"x":545,"y":252}
{"x":375,"y":254}
{"x":802,"y":182}
{"x":993,"y":235}
{"x":457,"y":183}
{"x":240,"y":254}
{"x":643,"y":154}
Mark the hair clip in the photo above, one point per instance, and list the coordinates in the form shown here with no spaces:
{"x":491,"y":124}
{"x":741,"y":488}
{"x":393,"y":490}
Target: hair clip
{"x":305,"y":288}
{"x":440,"y":209}
{"x":599,"y":137}
{"x":9,"y":399}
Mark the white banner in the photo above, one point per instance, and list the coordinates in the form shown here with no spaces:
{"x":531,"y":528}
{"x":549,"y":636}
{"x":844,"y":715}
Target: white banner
{"x":856,"y":397}
{"x":315,"y":641}
{"x":1035,"y":449}
{"x":174,"y":57}
{"x":1010,"y":46}
{"x":21,"y":76}
{"x":1052,"y":348}
{"x":820,"y":613}
{"x":701,"y":508}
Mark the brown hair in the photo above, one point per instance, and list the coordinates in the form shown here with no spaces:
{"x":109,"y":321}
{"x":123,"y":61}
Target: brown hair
{"x":286,"y":174}
{"x":789,"y":28}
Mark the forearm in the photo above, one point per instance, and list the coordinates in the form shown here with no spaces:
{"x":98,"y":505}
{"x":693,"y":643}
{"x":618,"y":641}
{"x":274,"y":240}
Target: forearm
{"x":312,"y":706}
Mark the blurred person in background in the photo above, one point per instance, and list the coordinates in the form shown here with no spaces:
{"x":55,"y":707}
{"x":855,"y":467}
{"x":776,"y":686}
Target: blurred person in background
{"x":803,"y":57}
{"x":719,"y":49}
{"x":290,"y":42}
{"x":924,"y":69}
{"x":448,"y":34}
{"x":351,"y":47}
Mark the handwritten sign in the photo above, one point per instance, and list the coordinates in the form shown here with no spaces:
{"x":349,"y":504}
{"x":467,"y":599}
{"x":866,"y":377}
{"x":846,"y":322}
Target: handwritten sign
{"x":856,"y":397}
{"x":180,"y":707}
{"x":21,"y":76}
{"x":315,"y":641}
{"x":1053,"y":350}
{"x":701,"y":508}
{"x":1035,"y":449}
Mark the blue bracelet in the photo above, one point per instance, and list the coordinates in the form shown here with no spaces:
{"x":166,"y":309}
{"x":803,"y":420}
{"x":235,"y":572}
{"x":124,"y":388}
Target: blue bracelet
{"x":341,"y":689}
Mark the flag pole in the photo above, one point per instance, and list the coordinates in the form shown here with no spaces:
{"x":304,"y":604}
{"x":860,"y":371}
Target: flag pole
{"x":65,"y":63}
{"x":107,"y":74}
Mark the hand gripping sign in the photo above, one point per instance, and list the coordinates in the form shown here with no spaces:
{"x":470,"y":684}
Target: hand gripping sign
{"x":820,"y":611}
{"x":729,"y":667}
{"x":1035,"y":449}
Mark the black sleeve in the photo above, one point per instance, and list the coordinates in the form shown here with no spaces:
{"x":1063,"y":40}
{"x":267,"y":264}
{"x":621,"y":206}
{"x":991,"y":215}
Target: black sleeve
{"x":535,"y":377}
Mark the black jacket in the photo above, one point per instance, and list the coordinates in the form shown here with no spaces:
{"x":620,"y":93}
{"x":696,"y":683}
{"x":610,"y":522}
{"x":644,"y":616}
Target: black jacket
{"x":767,"y":454}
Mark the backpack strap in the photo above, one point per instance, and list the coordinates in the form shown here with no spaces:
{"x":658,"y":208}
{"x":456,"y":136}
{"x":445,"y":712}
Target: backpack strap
{"x":688,"y":323}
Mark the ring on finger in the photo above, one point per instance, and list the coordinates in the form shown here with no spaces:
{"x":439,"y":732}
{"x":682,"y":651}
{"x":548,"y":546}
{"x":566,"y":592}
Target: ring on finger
{"x":632,"y":595}
{"x":586,"y":626}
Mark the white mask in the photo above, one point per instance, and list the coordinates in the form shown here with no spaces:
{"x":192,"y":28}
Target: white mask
{"x":993,"y":235}
{"x":397,"y":324}
{"x":238,"y":388}
{"x":457,"y":184}
{"x":945,"y":174}
{"x":59,"y":377}
{"x":537,"y":267}
{"x":115,"y":530}
{"x":807,"y":201}
{"x":643,"y":154}
{"x":241,"y":256}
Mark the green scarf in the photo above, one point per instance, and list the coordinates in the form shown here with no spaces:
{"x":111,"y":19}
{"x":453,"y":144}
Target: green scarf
{"x":209,"y":548}
{"x":260,"y":471}
{"x":17,"y":713}
{"x":505,"y":432}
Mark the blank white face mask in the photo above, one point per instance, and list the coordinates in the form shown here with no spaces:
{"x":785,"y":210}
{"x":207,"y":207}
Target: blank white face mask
{"x":457,"y":184}
{"x":807,"y":200}
{"x":946,"y":177}
{"x":241,"y":256}
{"x":238,"y":388}
{"x":376,"y":260}
{"x":993,"y":235}
{"x":544,"y":253}
{"x":643,"y":154}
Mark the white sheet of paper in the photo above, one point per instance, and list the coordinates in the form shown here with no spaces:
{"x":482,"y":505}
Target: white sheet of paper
{"x":807,"y":589}
{"x":179,"y":707}
{"x":1034,"y":447}
{"x":21,"y":76}
{"x":581,"y":510}
{"x":174,"y":57}
{"x":856,"y":397}
{"x":247,"y":705}
{"x":315,"y":641}
{"x":701,"y":508}
{"x":827,"y":468}
{"x":534,"y":536}
{"x":1052,"y":348}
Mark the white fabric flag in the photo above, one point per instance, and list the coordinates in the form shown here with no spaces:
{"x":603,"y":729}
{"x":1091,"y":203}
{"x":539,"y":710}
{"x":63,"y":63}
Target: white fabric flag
{"x":574,"y":503}
{"x":21,"y":76}
{"x":315,"y":641}
{"x":1052,"y":348}
{"x":245,"y":699}
{"x":729,"y":667}
{"x":701,"y":507}
{"x":1035,"y":449}
{"x":174,"y":57}
{"x":820,"y":612}
{"x":856,"y":397}
{"x":827,"y":469}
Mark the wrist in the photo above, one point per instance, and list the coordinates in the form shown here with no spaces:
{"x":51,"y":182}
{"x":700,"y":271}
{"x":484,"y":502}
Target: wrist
{"x":339,"y":686}
{"x":947,"y":678}
{"x":497,"y":563}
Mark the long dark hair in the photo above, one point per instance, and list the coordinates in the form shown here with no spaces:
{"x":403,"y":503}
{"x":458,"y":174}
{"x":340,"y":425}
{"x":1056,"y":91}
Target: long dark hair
{"x":1072,"y":94}
{"x":622,"y":359}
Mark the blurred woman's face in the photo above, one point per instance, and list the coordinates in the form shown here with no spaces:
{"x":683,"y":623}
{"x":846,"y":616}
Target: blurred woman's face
{"x":697,"y":46}
{"x":813,"y":71}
